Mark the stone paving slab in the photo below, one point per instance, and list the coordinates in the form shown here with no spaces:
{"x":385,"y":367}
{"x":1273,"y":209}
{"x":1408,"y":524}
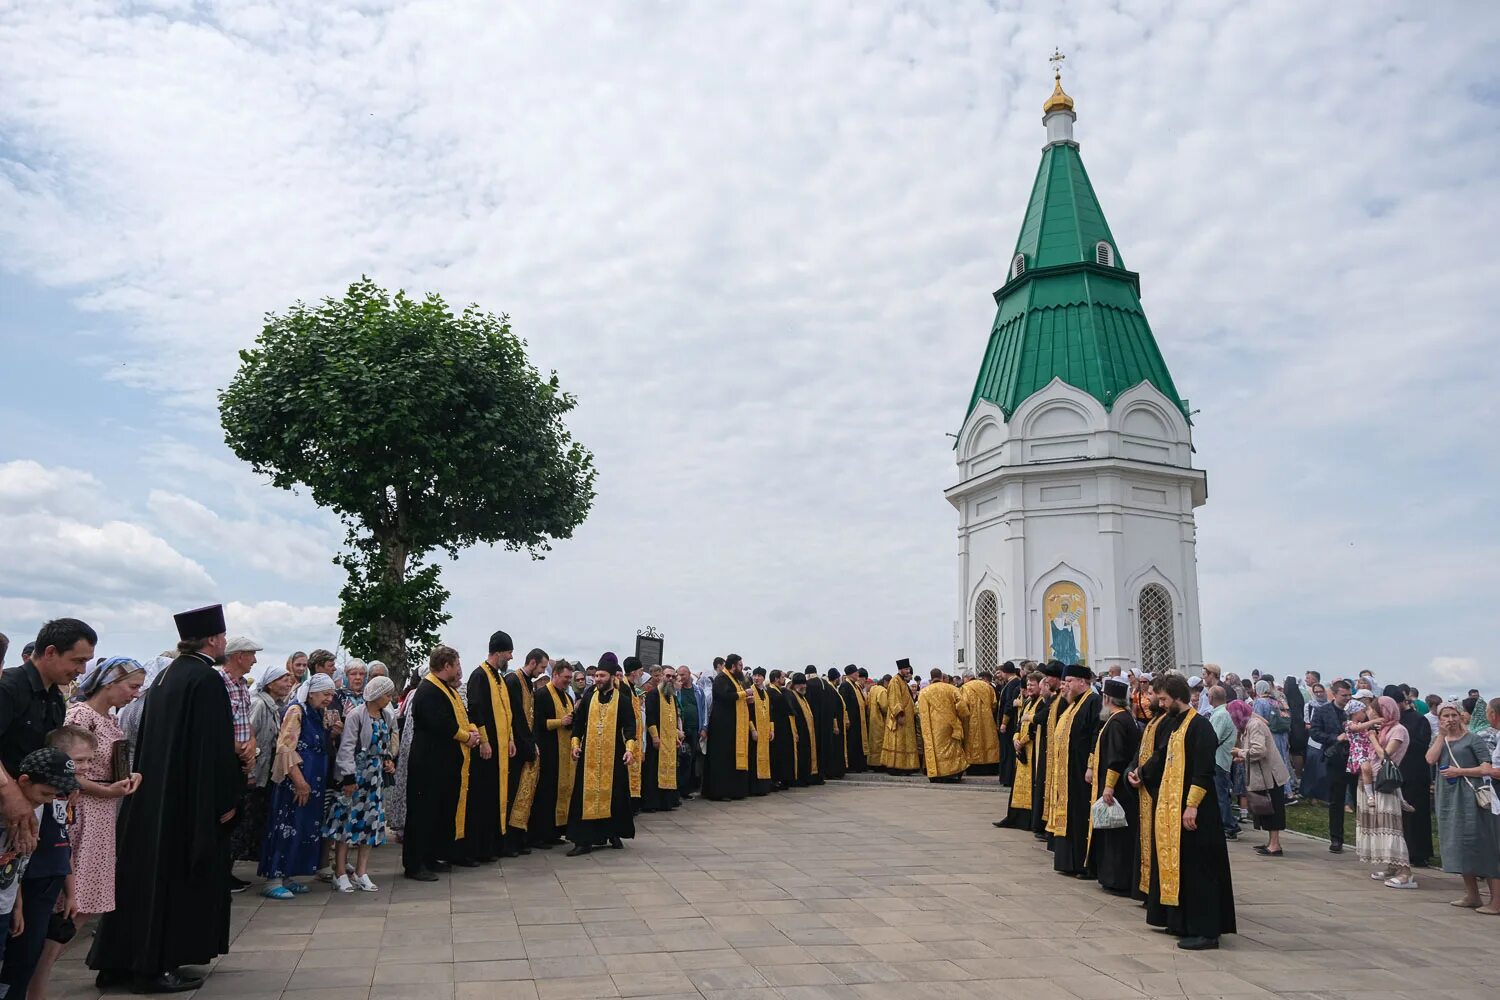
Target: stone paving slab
{"x":852,"y":891}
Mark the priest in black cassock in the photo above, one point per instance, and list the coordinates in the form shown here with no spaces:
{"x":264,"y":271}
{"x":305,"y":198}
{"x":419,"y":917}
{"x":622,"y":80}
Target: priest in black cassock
{"x":729,"y":746}
{"x":441,"y":741}
{"x":524,"y":770}
{"x":784,"y":744}
{"x":805,"y":722}
{"x":659,"y":778}
{"x":1077,"y":730}
{"x":762,"y":736}
{"x":489,"y":768}
{"x":1112,"y":852}
{"x":1191,"y":894}
{"x":554,"y":735}
{"x":1043,"y":723}
{"x":603,"y":745}
{"x":171,"y":889}
{"x":828,"y":715}
{"x":1008,"y":698}
{"x":854,"y":711}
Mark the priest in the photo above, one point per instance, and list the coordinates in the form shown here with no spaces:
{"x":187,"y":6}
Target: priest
{"x":729,"y":734}
{"x":941,"y":713}
{"x":663,"y":734}
{"x":171,"y":892}
{"x":1011,"y":683}
{"x":1111,"y":853}
{"x":1044,"y":723}
{"x":851,"y":692}
{"x":603,"y":746}
{"x":981,"y":728}
{"x":783,"y":730}
{"x":1018,"y":810}
{"x":762,"y":736}
{"x":634,"y":674}
{"x":442,"y":741}
{"x":828,"y":710}
{"x":1077,"y":729}
{"x":554,"y":745}
{"x":1191,"y":895}
{"x":525,"y":771}
{"x":805,"y":724}
{"x":874,"y":721}
{"x":900,"y":745}
{"x":489,"y":767}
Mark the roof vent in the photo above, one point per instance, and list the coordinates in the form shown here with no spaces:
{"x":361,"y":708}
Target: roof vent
{"x":1104,"y":254}
{"x":1017,"y":266}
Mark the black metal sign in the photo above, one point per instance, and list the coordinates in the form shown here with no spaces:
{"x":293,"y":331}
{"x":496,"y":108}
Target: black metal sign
{"x":648,"y":646}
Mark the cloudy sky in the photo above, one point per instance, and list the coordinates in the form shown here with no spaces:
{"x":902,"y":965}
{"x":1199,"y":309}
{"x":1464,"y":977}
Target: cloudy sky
{"x":759,"y":242}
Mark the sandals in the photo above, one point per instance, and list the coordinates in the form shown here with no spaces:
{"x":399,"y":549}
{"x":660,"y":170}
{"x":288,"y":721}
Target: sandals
{"x":1466,"y":904}
{"x":1266,"y":852}
{"x":1490,"y":911}
{"x":281,"y":892}
{"x":1379,"y":876}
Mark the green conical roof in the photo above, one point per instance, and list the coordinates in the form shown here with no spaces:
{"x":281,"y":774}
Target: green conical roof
{"x":1067,"y":315}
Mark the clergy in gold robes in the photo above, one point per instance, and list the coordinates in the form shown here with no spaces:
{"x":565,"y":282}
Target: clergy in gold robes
{"x":875,"y":721}
{"x":1043,"y":745}
{"x":1111,"y":853}
{"x":942,"y":714}
{"x":762,"y":736}
{"x":1018,"y":812}
{"x":900,"y":747}
{"x":854,"y":720}
{"x":728,"y":771}
{"x":441,"y":740}
{"x":1191,"y":894}
{"x":489,"y":770}
{"x":806,"y":731}
{"x":524,"y":769}
{"x":981,"y":730}
{"x":659,"y":772}
{"x":784,"y":739}
{"x":1077,"y":730}
{"x":603,"y":746}
{"x":554,"y":744}
{"x":1009,"y":685}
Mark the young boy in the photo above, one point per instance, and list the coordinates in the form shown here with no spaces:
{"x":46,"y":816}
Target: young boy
{"x":46,"y":775}
{"x":48,"y":875}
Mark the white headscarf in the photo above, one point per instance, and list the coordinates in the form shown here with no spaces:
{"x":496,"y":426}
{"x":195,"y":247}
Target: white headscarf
{"x":273,"y":674}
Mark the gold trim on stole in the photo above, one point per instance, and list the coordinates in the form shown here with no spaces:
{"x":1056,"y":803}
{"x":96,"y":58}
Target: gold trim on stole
{"x":599,"y":758}
{"x":1169,"y":812}
{"x":666,"y":732}
{"x":1145,"y":808}
{"x":741,"y":729}
{"x":564,"y":760}
{"x":464,"y":727}
{"x":763,"y":727}
{"x":500,"y":709}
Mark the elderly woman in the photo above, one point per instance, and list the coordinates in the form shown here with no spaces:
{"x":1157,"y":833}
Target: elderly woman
{"x":1272,"y":707}
{"x":396,"y":799}
{"x":364,"y":758}
{"x":1266,"y":774}
{"x":266,"y":706}
{"x":1468,"y":831}
{"x":293,"y":844}
{"x":1379,"y":836}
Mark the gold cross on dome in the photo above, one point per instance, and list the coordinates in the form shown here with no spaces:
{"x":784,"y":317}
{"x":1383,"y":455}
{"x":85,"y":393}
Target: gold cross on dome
{"x":1056,"y":60}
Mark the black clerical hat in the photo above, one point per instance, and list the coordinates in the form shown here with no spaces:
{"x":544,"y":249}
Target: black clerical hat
{"x":1078,"y":670}
{"x":1053,"y":669}
{"x":631,"y":664}
{"x":1116,"y":689}
{"x":1395,"y":692}
{"x":500,"y":643}
{"x":200,"y":623}
{"x":903,"y":664}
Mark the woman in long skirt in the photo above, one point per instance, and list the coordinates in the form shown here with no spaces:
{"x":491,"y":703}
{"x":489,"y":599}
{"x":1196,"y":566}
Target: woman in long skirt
{"x":294,"y":830}
{"x":358,"y":816}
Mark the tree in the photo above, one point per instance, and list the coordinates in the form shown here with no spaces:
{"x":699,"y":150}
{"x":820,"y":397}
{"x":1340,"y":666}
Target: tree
{"x":424,"y":431}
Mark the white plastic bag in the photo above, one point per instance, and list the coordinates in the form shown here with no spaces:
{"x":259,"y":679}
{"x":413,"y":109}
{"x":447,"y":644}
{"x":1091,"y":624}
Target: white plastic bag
{"x":1108,"y":815}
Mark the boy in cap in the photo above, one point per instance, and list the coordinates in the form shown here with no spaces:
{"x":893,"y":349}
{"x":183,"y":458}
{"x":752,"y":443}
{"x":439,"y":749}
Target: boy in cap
{"x":44,"y":776}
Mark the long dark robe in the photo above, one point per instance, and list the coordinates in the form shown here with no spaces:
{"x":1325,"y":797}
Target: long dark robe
{"x":1416,"y":788}
{"x":433,"y":780}
{"x":171,"y":893}
{"x":1158,"y":738}
{"x":1112,"y":852}
{"x":854,"y":739}
{"x":1019,"y":817}
{"x":1297,"y":743}
{"x":806,"y":774}
{"x":1069,"y":852}
{"x":760,"y":729}
{"x":543,"y":827}
{"x":828,"y":716}
{"x":783,"y":747}
{"x":1010,"y":718}
{"x":654,"y":798}
{"x":482,"y":821}
{"x":1205,"y":896}
{"x":1039,"y":739}
{"x":518,"y":690}
{"x":723,"y":780}
{"x":621,"y":821}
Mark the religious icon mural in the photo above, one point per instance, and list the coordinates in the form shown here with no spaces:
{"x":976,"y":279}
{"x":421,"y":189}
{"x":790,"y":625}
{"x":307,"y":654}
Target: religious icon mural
{"x":1066,"y":618}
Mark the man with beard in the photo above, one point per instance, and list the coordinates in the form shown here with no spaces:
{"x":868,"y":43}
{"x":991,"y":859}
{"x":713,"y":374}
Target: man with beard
{"x":554,"y":745}
{"x":874,"y":721}
{"x":1043,"y":774}
{"x":783,"y":729}
{"x":1008,"y":698}
{"x":1077,"y":729}
{"x":603,"y":746}
{"x":171,"y":894}
{"x":829,"y":708}
{"x":442,"y":740}
{"x":1111,"y":853}
{"x":900,"y":746}
{"x":941,"y":714}
{"x":729,"y":734}
{"x":692,"y":712}
{"x":525,"y":771}
{"x":981,"y":726}
{"x":635,"y":687}
{"x":490,"y":767}
{"x":659,"y":778}
{"x":853,"y":696}
{"x":762,"y":737}
{"x":804,"y":724}
{"x":1197,"y":908}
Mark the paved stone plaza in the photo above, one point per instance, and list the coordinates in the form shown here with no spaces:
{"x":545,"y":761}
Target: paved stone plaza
{"x":854,"y":890}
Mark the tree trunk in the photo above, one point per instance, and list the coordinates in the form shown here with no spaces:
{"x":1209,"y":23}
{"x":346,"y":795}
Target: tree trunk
{"x":392,"y":631}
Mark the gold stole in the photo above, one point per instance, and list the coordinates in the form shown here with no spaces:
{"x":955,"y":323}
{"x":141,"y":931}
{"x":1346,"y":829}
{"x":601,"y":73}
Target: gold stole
{"x":875,"y":726}
{"x":786,"y":693}
{"x":1020,"y":789}
{"x":464,"y":729}
{"x":500,"y":709}
{"x":1144,"y":809}
{"x":812,"y":733}
{"x":741,"y":728}
{"x":520,"y":812}
{"x":599,"y":757}
{"x":844,"y":729}
{"x":763,"y":727}
{"x":1169,"y":812}
{"x":637,"y":761}
{"x":1060,"y":800}
{"x":564,"y":759}
{"x":1049,"y":789}
{"x":1098,"y":782}
{"x":666,"y":732}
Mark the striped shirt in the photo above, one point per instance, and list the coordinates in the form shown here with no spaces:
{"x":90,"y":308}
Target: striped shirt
{"x":239,"y":706}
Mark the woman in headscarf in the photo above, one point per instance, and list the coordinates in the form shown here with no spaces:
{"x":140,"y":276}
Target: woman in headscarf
{"x":1469,"y":832}
{"x":1314,"y":766}
{"x":1379,"y":837}
{"x":1295,"y":703}
{"x":396,"y":800}
{"x":359,"y":811}
{"x":1265,"y":773}
{"x":129,"y":717}
{"x":293,"y":844}
{"x":266,"y":706}
{"x":1269,"y":705}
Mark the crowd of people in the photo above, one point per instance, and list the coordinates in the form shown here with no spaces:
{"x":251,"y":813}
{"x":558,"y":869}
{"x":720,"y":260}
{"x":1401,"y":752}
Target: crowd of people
{"x":131,"y":805}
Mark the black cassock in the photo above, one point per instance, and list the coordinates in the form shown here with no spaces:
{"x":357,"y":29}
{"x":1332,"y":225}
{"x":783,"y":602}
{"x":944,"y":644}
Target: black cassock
{"x":171,"y":891}
{"x":783,"y":749}
{"x":518,"y":690}
{"x":433,"y":778}
{"x":828,"y":716}
{"x":543,"y":827}
{"x":1205,"y":894}
{"x":621,"y":822}
{"x":1038,"y":750}
{"x":653,"y":797}
{"x":805,"y":735}
{"x":720,"y":778}
{"x":1069,"y":851}
{"x":855,"y":738}
{"x":1416,"y":788}
{"x":1112,"y":852}
{"x":482,"y":816}
{"x":1010,"y":716}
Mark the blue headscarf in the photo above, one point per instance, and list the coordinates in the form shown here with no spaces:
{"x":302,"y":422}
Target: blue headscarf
{"x":112,"y":670}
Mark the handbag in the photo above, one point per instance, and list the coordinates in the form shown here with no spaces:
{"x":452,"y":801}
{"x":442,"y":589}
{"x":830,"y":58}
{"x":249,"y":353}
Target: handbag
{"x":1108,"y":815}
{"x":1261,"y":804}
{"x":1484,"y":795}
{"x":1388,"y":778}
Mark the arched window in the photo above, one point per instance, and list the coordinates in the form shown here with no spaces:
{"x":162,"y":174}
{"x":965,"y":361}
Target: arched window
{"x":1104,"y":254}
{"x":987,"y":631}
{"x":1017,"y":266}
{"x":1158,"y":648}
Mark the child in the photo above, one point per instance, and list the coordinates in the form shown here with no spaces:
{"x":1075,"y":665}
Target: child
{"x":1363,"y":760}
{"x":45,"y":776}
{"x":364,"y":758}
{"x":46,"y":908}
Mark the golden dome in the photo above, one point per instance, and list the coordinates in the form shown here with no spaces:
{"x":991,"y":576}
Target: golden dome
{"x":1059,"y":101}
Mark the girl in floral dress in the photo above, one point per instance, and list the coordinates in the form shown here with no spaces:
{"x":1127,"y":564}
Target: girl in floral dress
{"x":365,"y":755}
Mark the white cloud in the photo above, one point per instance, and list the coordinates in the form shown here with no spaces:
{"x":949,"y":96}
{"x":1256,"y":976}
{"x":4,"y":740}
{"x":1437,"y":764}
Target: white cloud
{"x":1457,"y":671}
{"x":281,"y":546}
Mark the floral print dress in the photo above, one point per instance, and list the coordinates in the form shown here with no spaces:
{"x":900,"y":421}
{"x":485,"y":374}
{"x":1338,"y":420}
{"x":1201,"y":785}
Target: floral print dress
{"x":359,"y":819}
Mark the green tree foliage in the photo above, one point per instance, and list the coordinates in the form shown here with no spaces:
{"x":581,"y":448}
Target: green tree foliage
{"x":425,"y":431}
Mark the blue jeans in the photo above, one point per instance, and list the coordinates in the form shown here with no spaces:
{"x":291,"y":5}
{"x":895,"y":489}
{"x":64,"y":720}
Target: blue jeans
{"x":1227,"y":816}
